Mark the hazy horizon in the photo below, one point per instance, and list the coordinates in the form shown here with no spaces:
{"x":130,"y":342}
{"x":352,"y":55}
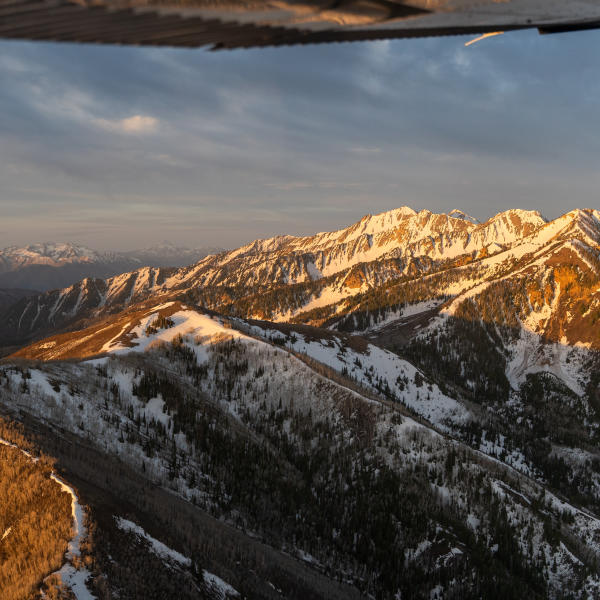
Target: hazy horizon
{"x":191,"y":246}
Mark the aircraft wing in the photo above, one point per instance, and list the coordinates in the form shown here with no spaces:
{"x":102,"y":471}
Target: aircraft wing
{"x":223,"y":24}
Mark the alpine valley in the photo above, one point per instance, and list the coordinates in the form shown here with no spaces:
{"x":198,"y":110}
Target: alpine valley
{"x":405,"y":408}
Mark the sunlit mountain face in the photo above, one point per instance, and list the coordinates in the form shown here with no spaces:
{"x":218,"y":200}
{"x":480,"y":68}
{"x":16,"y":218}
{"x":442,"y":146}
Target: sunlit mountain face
{"x":407,"y":407}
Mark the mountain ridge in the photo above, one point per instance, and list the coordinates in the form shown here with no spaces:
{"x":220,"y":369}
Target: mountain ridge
{"x":331,"y":267}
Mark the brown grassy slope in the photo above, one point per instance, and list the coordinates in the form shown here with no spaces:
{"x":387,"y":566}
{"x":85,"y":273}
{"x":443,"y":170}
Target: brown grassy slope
{"x":89,"y":342}
{"x":562,"y":295}
{"x":35,"y":520}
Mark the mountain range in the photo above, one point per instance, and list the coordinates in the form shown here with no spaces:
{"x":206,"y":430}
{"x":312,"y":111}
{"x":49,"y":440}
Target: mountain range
{"x":406,"y":407}
{"x":53,"y":265}
{"x":337,"y":276}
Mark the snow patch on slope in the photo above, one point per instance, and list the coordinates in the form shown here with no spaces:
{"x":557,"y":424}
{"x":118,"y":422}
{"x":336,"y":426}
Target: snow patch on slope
{"x":409,"y":310}
{"x":530,"y":354}
{"x":328,"y":295}
{"x":168,"y":555}
{"x":161,"y":550}
{"x":378,"y":370}
{"x":186,"y":322}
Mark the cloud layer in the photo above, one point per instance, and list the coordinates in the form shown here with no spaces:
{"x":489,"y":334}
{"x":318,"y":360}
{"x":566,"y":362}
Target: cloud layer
{"x":116,"y":147}
{"x":136,"y":124}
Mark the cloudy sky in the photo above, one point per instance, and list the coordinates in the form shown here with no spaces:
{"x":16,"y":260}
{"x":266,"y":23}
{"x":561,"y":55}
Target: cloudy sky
{"x":124,"y":147}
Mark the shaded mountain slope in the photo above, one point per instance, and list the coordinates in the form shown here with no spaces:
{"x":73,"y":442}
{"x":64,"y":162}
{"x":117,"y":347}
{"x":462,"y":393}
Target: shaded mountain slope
{"x":358,"y":489}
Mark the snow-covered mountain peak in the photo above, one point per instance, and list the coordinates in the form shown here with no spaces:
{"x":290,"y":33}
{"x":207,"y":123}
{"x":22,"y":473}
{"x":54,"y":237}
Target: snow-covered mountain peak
{"x":403,"y":211}
{"x":375,"y":235}
{"x":521,"y":215}
{"x":166,"y":249}
{"x":513,"y":225}
{"x":55,"y":250}
{"x":389,"y":216}
{"x":374,"y":224}
{"x":459,"y":214}
{"x":583,"y":224}
{"x":396,"y":224}
{"x":46,"y":253}
{"x":587,"y":217}
{"x":52,"y":265}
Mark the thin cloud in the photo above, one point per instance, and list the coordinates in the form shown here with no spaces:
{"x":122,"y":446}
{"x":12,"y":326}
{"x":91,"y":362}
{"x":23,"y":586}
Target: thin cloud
{"x":110,"y":133}
{"x":133,"y":125}
{"x":365,"y":151}
{"x":290,"y":185}
{"x":333,"y":185}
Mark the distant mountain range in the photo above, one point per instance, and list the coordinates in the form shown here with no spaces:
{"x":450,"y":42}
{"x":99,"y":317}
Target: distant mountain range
{"x":54,"y":265}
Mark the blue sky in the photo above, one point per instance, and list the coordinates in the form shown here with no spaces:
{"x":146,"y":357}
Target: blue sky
{"x":123,"y":147}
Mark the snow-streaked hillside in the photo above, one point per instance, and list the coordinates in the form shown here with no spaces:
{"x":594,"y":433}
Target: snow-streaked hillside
{"x":369,"y":366}
{"x":175,"y":388}
{"x":133,"y":329}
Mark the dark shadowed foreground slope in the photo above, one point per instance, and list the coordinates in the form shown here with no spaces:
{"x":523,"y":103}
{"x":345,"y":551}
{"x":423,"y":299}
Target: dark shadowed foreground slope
{"x":274,"y":439}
